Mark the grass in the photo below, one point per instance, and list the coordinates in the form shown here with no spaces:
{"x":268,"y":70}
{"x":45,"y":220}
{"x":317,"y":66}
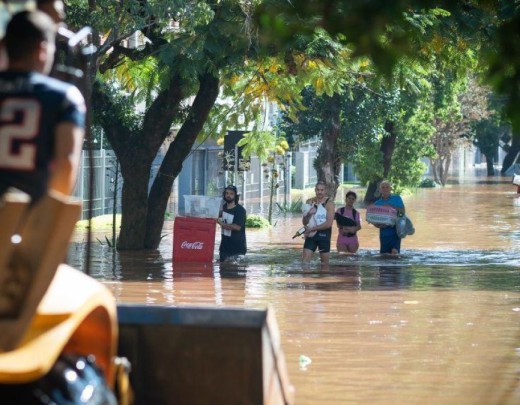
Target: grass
{"x":101,"y":222}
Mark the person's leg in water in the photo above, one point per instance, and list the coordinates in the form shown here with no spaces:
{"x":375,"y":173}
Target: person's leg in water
{"x":390,"y":245}
{"x":348,"y":247}
{"x":324,"y":257}
{"x":309,"y":247}
{"x":324,"y":249}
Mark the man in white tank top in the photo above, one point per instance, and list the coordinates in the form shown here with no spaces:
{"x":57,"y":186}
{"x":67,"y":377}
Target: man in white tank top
{"x":318,"y":219}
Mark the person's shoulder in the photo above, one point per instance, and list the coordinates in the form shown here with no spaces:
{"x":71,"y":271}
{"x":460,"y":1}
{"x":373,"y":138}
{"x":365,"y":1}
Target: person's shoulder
{"x":310,"y":201}
{"x":238,"y":208}
{"x":51,"y":84}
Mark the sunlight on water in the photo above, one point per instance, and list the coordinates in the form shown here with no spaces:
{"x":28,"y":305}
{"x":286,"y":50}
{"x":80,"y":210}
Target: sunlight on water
{"x":439,"y":325}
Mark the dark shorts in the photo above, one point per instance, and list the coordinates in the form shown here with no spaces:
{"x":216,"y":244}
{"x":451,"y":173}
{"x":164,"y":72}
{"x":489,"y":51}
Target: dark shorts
{"x":319,"y":241}
{"x":389,"y":242}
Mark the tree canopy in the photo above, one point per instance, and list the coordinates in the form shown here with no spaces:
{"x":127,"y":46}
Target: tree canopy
{"x":374,"y":29}
{"x":380,"y":74}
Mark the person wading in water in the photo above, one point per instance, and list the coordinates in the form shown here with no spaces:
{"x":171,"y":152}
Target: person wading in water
{"x":318,"y":219}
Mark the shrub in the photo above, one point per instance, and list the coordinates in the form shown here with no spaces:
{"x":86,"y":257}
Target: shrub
{"x":256,"y":221}
{"x":427,"y":183}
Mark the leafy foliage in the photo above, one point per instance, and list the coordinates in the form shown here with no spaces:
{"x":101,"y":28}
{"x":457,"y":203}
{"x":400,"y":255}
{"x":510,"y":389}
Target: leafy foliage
{"x":375,"y":29}
{"x":256,"y":221}
{"x":292,"y":207}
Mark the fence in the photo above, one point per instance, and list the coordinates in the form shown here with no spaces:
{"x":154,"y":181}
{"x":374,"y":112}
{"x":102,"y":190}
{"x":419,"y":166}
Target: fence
{"x":106,"y":175}
{"x":202,"y":175}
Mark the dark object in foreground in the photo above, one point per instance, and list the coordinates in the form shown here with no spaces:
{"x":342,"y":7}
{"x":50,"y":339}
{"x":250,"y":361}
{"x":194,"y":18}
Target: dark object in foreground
{"x":203,"y":355}
{"x":73,"y":379}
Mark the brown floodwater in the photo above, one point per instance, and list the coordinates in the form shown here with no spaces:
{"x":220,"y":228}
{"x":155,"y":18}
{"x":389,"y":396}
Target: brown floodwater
{"x":439,"y":325}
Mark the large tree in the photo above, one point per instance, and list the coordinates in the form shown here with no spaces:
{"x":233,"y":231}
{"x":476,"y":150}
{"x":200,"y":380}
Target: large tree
{"x":319,"y":64}
{"x":402,"y":95}
{"x":487,"y":134}
{"x":170,"y":81}
{"x":194,"y":48}
{"x":491,"y":29}
{"x":456,"y":112}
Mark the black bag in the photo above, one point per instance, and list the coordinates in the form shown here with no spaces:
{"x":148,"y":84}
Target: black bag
{"x":345,"y":221}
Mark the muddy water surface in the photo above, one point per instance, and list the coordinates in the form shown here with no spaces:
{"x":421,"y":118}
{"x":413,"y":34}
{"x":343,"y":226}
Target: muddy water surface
{"x":440,"y":325}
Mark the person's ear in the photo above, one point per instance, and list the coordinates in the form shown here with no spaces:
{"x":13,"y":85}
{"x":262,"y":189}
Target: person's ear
{"x":46,"y":52}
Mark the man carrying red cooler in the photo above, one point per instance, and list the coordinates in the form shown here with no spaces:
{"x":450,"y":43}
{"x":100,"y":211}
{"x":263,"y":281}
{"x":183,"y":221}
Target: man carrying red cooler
{"x":233,"y":223}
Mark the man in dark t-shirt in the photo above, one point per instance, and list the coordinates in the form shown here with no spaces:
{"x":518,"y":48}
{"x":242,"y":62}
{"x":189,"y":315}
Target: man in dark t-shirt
{"x":233,"y":224}
{"x":41,"y":119}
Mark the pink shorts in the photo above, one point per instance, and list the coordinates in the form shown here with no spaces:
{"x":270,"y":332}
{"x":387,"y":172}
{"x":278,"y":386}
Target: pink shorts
{"x":347,"y":240}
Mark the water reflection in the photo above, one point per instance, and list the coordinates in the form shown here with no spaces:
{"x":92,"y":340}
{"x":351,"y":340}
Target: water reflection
{"x":437,"y":325}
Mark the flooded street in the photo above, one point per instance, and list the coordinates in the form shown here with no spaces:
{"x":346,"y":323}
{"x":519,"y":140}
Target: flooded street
{"x":440,"y":325}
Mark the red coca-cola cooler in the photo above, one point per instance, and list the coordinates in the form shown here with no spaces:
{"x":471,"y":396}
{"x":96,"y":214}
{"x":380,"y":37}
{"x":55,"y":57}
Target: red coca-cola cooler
{"x":193,"y":239}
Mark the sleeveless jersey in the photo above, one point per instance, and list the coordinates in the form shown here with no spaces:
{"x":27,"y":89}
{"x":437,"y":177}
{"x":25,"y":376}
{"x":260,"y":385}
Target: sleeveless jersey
{"x":31,"y":107}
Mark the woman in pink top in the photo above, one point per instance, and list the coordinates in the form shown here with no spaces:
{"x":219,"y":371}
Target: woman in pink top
{"x":347,"y":234}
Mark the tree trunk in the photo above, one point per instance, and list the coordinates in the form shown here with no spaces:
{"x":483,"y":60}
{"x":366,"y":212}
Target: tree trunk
{"x":372,"y":193}
{"x":387,"y":149}
{"x":433,"y":163}
{"x":511,"y":155}
{"x":135,"y":150}
{"x":177,"y":152}
{"x":489,"y":164}
{"x":134,"y":203}
{"x":327,"y":163}
{"x":445,"y":169}
{"x":440,"y":168}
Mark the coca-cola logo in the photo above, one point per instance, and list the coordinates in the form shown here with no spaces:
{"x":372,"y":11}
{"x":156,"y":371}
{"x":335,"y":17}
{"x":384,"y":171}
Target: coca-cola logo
{"x":192,"y":245}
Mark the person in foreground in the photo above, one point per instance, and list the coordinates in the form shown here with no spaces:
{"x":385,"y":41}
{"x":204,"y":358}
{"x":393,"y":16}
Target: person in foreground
{"x":41,"y":131}
{"x":349,"y":222}
{"x":233,"y":223}
{"x":318,"y":220}
{"x":390,"y":243}
{"x":41,"y":119}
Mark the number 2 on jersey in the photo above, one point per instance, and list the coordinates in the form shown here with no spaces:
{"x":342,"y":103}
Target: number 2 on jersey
{"x":24,"y":129}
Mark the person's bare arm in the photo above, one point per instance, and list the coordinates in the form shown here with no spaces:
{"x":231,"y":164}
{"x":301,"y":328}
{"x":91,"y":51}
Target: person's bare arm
{"x":67,"y":154}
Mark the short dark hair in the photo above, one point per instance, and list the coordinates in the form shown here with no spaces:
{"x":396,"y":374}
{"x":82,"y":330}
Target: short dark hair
{"x":349,"y":193}
{"x":25,"y":31}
